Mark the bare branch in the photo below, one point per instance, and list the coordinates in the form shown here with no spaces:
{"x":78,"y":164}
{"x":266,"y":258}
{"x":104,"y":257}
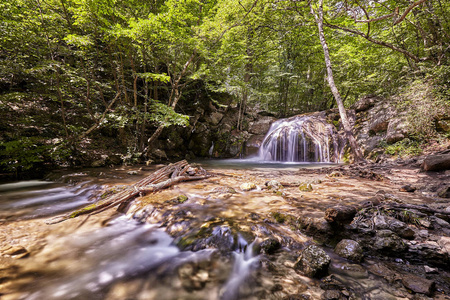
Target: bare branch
{"x":403,"y":16}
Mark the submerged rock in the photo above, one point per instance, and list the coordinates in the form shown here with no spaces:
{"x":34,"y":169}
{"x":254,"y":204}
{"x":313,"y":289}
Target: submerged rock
{"x":313,"y":262}
{"x":248,"y":186}
{"x":305,"y":187}
{"x":349,"y":249}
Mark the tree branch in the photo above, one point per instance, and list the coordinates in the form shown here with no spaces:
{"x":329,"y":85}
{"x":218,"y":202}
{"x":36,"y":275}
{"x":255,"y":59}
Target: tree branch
{"x":381,"y":43}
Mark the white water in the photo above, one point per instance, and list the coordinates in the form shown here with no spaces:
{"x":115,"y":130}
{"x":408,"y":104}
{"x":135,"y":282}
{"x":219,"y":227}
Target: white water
{"x":300,"y":139}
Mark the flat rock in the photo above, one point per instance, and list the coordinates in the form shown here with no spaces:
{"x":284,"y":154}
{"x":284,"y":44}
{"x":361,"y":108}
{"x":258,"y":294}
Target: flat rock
{"x":418,"y":284}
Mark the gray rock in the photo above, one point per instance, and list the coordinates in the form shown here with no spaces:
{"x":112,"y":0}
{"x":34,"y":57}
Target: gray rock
{"x":388,"y":241}
{"x":261,"y":126}
{"x":313,"y":262}
{"x":349,"y":249}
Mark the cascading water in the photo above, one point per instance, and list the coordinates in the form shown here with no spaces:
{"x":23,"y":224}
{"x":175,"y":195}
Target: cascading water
{"x":301,"y":139}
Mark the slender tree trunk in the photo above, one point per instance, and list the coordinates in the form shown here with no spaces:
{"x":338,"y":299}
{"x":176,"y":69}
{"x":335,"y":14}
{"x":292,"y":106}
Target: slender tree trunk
{"x":344,"y":119}
{"x":175,"y":95}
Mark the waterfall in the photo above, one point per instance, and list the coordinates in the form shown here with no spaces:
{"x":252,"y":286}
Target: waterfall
{"x":301,"y":139}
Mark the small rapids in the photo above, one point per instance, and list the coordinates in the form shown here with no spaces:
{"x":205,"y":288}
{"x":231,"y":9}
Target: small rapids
{"x":301,"y":139}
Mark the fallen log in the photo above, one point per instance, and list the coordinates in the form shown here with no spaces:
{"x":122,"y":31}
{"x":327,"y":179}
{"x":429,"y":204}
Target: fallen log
{"x":161,"y":179}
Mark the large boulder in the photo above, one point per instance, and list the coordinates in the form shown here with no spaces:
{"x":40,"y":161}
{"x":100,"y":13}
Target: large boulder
{"x":388,"y":241}
{"x":313,"y":262}
{"x":437,"y":162}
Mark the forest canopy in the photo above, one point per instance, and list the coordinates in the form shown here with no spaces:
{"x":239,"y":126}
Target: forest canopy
{"x":71,"y":67}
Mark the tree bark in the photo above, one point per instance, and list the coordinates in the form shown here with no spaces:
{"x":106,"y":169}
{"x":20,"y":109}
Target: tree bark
{"x":337,"y":96}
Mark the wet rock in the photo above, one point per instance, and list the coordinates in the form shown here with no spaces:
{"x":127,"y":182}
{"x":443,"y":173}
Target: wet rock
{"x":444,"y":192}
{"x":430,"y":270}
{"x":436,"y":163}
{"x":305,"y":187}
{"x":397,"y":226}
{"x":331,"y":295}
{"x":349,"y":249}
{"x":381,"y":270}
{"x":336,"y":174}
{"x":388,"y":241}
{"x":418,"y":284}
{"x":248,"y":186}
{"x":320,"y":228}
{"x":349,"y":270}
{"x":408,"y":188}
{"x":340,"y":214}
{"x":15,"y":251}
{"x":273,"y":184}
{"x":261,"y":126}
{"x":313,"y":262}
{"x":132,"y":172}
{"x":331,"y":283}
{"x":270,"y":246}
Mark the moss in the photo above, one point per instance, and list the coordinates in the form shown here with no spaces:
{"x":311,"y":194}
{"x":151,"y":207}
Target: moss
{"x":182,"y":198}
{"x":279,"y":217}
{"x":305,"y":187}
{"x":83,"y":210}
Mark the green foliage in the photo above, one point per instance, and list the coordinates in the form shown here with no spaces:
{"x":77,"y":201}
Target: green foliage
{"x":22,"y":154}
{"x":405,"y":147}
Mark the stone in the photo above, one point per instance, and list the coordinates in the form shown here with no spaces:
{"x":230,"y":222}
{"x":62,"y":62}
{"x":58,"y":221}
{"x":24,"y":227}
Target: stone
{"x":261,"y":126}
{"x":273,"y":184}
{"x":378,"y":126}
{"x":336,"y":174}
{"x":132,"y":172}
{"x":430,"y":270}
{"x":253,"y":144}
{"x":349,"y":249}
{"x":365,"y":103}
{"x":444,"y":192}
{"x":444,"y":243}
{"x":98,"y":163}
{"x":382,"y":270}
{"x":331,"y":295}
{"x":388,"y":241}
{"x":341,"y":214}
{"x":408,"y":188}
{"x":305,"y":187}
{"x":418,"y":284}
{"x":438,"y":162}
{"x":313,"y":262}
{"x":270,"y":246}
{"x":248,"y":186}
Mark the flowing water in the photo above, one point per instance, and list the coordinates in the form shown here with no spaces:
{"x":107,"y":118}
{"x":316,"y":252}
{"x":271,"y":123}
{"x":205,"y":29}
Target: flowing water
{"x":208,"y":247}
{"x":301,"y":139}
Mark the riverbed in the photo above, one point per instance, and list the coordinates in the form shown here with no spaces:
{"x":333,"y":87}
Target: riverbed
{"x":212,"y":244}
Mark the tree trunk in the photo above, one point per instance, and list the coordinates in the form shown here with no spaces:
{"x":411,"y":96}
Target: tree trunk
{"x":175,"y":95}
{"x":344,"y":119}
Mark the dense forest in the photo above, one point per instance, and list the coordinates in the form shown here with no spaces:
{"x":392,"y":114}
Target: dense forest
{"x":94,"y":74}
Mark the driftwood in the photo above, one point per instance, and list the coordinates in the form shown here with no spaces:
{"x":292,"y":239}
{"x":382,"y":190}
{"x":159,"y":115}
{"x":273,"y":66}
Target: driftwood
{"x":161,"y":179}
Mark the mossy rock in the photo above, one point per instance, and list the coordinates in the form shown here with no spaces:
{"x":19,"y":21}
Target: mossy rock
{"x":305,"y":187}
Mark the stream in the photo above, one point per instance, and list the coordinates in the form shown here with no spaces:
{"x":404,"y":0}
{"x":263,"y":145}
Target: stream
{"x":209,"y":246}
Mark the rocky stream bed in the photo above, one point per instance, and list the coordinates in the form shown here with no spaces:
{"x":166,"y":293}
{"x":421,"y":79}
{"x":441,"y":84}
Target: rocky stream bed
{"x":372,"y":231}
